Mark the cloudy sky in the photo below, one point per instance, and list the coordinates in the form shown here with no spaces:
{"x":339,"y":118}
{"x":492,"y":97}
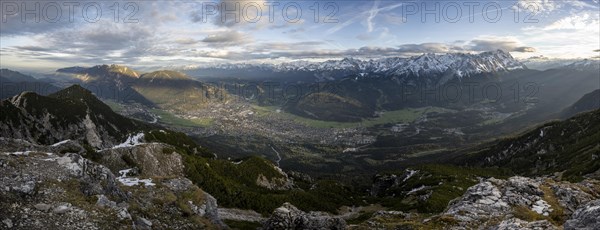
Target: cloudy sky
{"x":178,"y":33}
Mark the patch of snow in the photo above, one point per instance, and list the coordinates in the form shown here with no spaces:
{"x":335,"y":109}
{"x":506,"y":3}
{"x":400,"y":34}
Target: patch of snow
{"x":541,"y":133}
{"x":410,"y":174}
{"x":237,"y":163}
{"x":26,"y":153}
{"x":60,"y":143}
{"x":350,"y":150}
{"x":131,"y":181}
{"x":131,"y":141}
{"x":416,"y":189}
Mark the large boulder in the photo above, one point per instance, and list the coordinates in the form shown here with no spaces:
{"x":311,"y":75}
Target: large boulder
{"x":289,"y":217}
{"x":586,"y":217}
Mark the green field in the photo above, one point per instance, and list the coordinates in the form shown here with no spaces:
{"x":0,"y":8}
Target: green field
{"x":114,"y":105}
{"x":388,"y":117}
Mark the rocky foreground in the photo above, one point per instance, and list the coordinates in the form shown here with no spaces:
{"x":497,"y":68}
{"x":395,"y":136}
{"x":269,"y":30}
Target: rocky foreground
{"x":43,"y":189}
{"x":514,"y":203}
{"x":54,"y":186}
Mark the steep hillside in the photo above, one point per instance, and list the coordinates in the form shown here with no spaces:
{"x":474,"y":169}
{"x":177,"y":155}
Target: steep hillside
{"x":571,"y":147}
{"x":588,"y":102}
{"x":73,"y":113}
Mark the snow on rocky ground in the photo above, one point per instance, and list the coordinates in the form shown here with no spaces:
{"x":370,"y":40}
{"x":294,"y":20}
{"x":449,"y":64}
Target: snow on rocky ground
{"x":131,"y":141}
{"x":131,"y":181}
{"x":60,"y":143}
{"x":25,"y":153}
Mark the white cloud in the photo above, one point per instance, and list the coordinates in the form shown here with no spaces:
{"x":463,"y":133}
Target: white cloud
{"x":574,"y":22}
{"x":539,"y":6}
{"x":571,"y":36}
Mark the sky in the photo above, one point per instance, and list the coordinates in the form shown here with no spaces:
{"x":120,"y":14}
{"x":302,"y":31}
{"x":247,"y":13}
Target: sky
{"x":44,"y":35}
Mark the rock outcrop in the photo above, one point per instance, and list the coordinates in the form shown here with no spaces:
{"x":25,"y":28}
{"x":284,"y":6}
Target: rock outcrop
{"x":289,"y":217}
{"x":526,"y":203}
{"x":586,"y":217}
{"x":151,"y":159}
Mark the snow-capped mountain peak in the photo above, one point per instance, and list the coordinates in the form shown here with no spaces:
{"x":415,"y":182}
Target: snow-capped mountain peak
{"x":457,"y":64}
{"x":586,"y":64}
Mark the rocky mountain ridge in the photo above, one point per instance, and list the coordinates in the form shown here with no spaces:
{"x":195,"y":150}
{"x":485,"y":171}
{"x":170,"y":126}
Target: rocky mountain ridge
{"x":75,"y":114}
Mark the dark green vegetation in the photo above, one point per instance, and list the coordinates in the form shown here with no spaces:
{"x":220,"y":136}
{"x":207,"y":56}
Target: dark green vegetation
{"x":331,"y":107}
{"x":181,"y":142}
{"x":571,"y":147}
{"x":236,"y":186}
{"x":588,"y":102}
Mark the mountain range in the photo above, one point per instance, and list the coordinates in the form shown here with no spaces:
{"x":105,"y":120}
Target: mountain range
{"x":456,"y":64}
{"x":13,"y":83}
